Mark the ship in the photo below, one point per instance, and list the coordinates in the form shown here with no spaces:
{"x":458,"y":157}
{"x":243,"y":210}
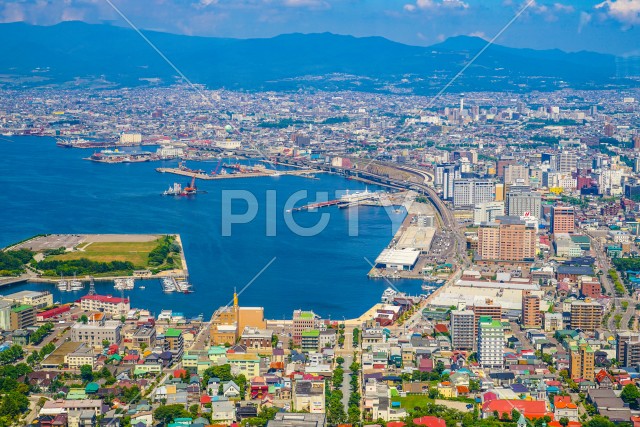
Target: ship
{"x":124,"y":284}
{"x":178,"y":190}
{"x":169,"y":285}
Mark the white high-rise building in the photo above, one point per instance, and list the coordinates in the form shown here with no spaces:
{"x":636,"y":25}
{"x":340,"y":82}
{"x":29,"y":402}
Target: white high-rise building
{"x":487,"y":212}
{"x":490,"y":343}
{"x":469,"y":192}
{"x":567,"y":161}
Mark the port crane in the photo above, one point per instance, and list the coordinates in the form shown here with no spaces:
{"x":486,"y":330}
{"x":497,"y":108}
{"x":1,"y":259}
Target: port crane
{"x":217,"y":169}
{"x":191,"y":189}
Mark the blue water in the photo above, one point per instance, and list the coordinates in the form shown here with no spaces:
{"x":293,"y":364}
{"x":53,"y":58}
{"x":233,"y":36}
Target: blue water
{"x":46,"y":189}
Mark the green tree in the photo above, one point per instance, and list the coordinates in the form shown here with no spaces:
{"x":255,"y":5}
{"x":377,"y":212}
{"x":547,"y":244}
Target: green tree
{"x":564,"y":421}
{"x":86,"y":373}
{"x":598,"y":421}
{"x":630,"y":395}
{"x":167,"y":413}
{"x":84,"y":319}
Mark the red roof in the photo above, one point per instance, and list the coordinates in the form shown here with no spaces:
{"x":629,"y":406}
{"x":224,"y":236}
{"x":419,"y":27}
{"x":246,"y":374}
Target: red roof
{"x":429,"y":421}
{"x":205,"y":398}
{"x":179,"y":373}
{"x":440,"y":328}
{"x":529,"y":408}
{"x":105,"y":298}
{"x":53,"y":312}
{"x":396,"y":424}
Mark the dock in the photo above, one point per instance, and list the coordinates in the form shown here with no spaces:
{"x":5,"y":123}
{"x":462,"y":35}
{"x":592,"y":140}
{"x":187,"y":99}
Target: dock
{"x":305,"y":173}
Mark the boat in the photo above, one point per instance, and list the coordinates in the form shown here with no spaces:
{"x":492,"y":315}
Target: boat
{"x":169,"y":285}
{"x":121,"y":284}
{"x":388,"y":295}
{"x":62,"y":285}
{"x":183,"y":286}
{"x":142,"y":287}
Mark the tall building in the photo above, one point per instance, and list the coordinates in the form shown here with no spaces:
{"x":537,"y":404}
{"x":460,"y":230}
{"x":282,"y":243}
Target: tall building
{"x":520,"y":202}
{"x":516,"y":174}
{"x":531,"y":315}
{"x":469,"y":192}
{"x":228,"y":323}
{"x":490,"y":343}
{"x":22,"y":316}
{"x":446,"y":173}
{"x":507,"y":239}
{"x":94,"y":333}
{"x":562,"y":219}
{"x":586,"y":315}
{"x":487,"y":212}
{"x":636,"y":142}
{"x":628,"y":348}
{"x":303,"y":321}
{"x":462,"y":329}
{"x":502,"y":163}
{"x":582,"y":361}
{"x":488,"y":309}
{"x":567,"y":161}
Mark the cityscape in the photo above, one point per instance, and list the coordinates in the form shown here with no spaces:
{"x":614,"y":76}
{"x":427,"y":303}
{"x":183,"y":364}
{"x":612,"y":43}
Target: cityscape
{"x":318,"y":247}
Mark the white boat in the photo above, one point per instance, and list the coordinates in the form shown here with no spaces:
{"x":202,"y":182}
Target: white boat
{"x":388,"y":295}
{"x":142,"y":287}
{"x":62,"y":285}
{"x":169,"y":285}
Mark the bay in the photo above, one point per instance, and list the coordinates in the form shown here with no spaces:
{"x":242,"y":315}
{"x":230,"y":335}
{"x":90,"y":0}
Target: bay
{"x":47,"y":189}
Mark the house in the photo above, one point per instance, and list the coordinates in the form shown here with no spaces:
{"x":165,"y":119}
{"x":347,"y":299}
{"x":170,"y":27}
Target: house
{"x":564,"y":408}
{"x":230,"y":389}
{"x":447,"y":390}
{"x":529,"y":408}
{"x":429,"y":421}
{"x":223,"y":411}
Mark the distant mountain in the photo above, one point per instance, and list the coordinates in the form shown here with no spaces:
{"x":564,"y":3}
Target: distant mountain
{"x":74,"y":54}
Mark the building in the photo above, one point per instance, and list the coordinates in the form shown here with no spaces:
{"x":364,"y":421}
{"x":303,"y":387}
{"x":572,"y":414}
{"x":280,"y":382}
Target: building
{"x":398,"y":259}
{"x":308,"y":396}
{"x":487,"y":212}
{"x":524,"y":203}
{"x":174,"y":341}
{"x":246,"y":364}
{"x":22,"y":316}
{"x":446,"y":173}
{"x":310,"y":340}
{"x":33,"y":298}
{"x":582,"y":361}
{"x":490,"y":343}
{"x":83,"y":355}
{"x":144,"y":336}
{"x":488,"y":309}
{"x":552,"y":322}
{"x":462,"y":329}
{"x":469,"y":192}
{"x":586,"y":315}
{"x":289,"y":419}
{"x":94,"y":334}
{"x":562,"y":219}
{"x":5,"y":315}
{"x":228,"y":323}
{"x":256,"y":339}
{"x":303,"y":321}
{"x":531,"y":316}
{"x":516,"y":174}
{"x":507,"y":239}
{"x":628,"y":348}
{"x":590,"y":287}
{"x":105,"y":304}
{"x":567,"y":161}
{"x":130,"y":138}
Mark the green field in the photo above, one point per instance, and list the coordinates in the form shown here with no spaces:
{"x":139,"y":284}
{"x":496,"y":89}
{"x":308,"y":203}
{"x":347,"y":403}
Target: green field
{"x":135,"y":252}
{"x":412,"y":400}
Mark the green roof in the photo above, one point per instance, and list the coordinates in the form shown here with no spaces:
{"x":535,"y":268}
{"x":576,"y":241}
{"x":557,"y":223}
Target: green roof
{"x":92,"y":388}
{"x":306,"y":315}
{"x":312,"y":333}
{"x":580,"y":239}
{"x":217,"y":350}
{"x":173,"y":333}
{"x":20,"y":308}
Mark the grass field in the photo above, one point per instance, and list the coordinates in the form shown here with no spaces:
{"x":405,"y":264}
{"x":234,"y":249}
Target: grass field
{"x":412,"y":400}
{"x":136,"y":252}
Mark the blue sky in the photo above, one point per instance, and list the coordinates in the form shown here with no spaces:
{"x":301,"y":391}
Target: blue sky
{"x":611,"y":26}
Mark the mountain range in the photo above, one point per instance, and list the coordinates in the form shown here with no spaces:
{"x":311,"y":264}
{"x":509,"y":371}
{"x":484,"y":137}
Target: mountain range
{"x":72,"y":54}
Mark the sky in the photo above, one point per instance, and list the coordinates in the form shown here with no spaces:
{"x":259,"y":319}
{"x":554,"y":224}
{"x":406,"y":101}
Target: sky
{"x":609,"y":26}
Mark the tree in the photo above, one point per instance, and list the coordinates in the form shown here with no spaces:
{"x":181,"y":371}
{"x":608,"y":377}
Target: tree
{"x":105,"y":343}
{"x":193,"y":409}
{"x":13,"y":404}
{"x":86,"y":373}
{"x":340,"y":360}
{"x":599,"y":421}
{"x":564,"y":421}
{"x":167,"y":413}
{"x":630,"y":395}
{"x":84,"y":319}
{"x":274,"y":340}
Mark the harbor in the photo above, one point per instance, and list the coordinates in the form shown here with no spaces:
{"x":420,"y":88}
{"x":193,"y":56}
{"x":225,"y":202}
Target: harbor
{"x":305,"y":173}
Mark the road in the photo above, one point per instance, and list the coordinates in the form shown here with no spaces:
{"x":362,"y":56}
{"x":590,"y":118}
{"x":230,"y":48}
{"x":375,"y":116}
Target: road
{"x":602,"y":261}
{"x":346,"y":386}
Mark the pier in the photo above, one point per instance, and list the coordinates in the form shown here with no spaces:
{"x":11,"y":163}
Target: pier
{"x":305,"y":173}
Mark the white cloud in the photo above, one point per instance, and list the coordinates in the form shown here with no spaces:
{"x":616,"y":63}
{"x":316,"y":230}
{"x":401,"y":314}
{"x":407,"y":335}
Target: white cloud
{"x":480,"y":34}
{"x":315,"y":4}
{"x":12,"y":12}
{"x":585,"y":18}
{"x":625,"y":11}
{"x":436,"y":5}
{"x":567,"y":8}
